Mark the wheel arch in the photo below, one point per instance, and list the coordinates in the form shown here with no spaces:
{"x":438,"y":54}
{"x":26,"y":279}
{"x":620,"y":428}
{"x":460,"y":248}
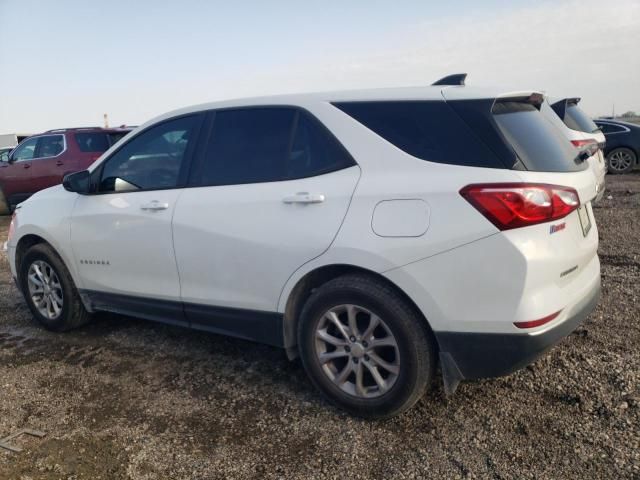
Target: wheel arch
{"x":25,"y":243}
{"x":29,"y":235}
{"x":317,"y":277}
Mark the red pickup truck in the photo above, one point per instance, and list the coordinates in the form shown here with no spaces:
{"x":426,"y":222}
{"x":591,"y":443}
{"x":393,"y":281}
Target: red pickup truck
{"x":42,"y":160}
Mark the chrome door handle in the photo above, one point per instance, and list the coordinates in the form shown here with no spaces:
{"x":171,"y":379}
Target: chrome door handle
{"x":304,"y":197}
{"x":154,"y":205}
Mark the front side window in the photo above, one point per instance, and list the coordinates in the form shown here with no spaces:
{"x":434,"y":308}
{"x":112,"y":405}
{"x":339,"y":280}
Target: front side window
{"x":151,"y":160}
{"x":49,"y":146}
{"x":25,"y":151}
{"x":268,"y":144}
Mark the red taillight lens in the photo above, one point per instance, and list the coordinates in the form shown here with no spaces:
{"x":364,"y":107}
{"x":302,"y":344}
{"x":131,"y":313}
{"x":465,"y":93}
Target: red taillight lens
{"x":590,"y":146}
{"x":514,"y":205}
{"x":537,"y":323}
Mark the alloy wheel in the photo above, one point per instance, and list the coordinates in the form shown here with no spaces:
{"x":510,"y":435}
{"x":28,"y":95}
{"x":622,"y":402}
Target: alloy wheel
{"x":45,"y":289}
{"x":357,"y":351}
{"x":620,"y":160}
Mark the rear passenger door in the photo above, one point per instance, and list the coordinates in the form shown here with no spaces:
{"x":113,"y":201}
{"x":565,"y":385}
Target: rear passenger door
{"x":269,"y":194}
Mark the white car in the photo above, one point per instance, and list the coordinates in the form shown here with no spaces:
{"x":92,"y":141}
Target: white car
{"x":583,"y":133}
{"x":373,"y":233}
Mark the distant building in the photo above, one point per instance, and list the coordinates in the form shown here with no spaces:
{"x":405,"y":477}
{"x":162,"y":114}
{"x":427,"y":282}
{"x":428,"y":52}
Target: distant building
{"x":12,"y":139}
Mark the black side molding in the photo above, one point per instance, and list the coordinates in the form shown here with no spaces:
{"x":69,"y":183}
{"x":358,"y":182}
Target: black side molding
{"x":454,"y":79}
{"x":255,"y":325}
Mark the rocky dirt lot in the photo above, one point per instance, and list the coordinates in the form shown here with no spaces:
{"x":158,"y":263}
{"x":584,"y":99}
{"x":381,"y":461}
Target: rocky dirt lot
{"x":124,"y":398}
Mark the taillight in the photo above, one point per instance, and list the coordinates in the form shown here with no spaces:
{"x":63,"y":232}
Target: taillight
{"x":537,"y":323}
{"x":514,"y":205}
{"x":590,"y":146}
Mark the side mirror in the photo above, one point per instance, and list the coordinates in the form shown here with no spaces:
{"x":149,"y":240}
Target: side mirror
{"x":79,"y":182}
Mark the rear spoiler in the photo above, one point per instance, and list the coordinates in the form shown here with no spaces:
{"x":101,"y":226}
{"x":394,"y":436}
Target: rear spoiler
{"x":560,"y":107}
{"x":517,"y":103}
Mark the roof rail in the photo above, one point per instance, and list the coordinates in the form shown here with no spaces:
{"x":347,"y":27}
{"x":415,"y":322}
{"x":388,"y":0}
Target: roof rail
{"x":454,"y":79}
{"x":57,"y":130}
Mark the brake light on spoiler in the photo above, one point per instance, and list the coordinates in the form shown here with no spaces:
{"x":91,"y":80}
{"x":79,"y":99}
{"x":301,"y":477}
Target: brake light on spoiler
{"x":515,"y":205}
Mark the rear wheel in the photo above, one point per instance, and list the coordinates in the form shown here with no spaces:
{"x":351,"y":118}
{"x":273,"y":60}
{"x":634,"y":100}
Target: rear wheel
{"x":621,"y":160}
{"x":49,"y":290}
{"x":5,"y":208}
{"x":365,"y":348}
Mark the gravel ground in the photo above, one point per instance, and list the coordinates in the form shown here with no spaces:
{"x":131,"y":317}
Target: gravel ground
{"x":125,"y":398}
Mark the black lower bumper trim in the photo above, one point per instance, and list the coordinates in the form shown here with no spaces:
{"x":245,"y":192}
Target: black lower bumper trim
{"x":482,"y":355}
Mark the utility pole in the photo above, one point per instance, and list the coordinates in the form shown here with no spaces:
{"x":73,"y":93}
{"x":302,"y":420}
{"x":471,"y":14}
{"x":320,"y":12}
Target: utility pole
{"x":106,"y":121}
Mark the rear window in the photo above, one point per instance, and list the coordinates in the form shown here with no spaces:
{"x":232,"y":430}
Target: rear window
{"x":539,"y":145}
{"x":576,"y":119}
{"x":97,"y":142}
{"x":428,"y":130}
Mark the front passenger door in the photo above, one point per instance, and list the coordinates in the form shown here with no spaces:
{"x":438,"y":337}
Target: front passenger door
{"x":47,"y":166}
{"x":121,"y":234}
{"x":15,"y":176}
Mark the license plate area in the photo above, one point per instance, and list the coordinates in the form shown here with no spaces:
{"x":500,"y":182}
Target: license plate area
{"x":585,"y":220}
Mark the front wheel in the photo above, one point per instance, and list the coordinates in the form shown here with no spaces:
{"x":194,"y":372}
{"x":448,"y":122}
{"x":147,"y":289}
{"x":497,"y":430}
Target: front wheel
{"x":621,"y":160}
{"x":365,"y":348}
{"x":49,"y":290}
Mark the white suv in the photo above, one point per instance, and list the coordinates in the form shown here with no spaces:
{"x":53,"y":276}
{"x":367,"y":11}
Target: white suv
{"x":372,"y":233}
{"x":583,"y":133}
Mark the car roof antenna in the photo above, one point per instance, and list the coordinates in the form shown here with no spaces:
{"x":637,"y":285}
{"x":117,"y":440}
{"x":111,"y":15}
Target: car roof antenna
{"x":455,"y":79}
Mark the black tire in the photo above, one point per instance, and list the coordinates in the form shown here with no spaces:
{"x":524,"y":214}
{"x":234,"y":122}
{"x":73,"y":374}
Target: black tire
{"x":73,"y":314}
{"x":626,"y":153}
{"x":415,"y":343}
{"x":5,"y":208}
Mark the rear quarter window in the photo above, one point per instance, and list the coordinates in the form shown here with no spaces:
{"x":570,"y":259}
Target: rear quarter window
{"x":97,"y":142}
{"x":428,"y":130}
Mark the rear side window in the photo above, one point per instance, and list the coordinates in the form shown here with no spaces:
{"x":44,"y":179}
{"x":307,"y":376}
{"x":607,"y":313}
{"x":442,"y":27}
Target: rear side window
{"x":428,"y":130}
{"x":254,"y":145}
{"x":97,"y":142}
{"x":576,"y":119}
{"x":539,"y":145}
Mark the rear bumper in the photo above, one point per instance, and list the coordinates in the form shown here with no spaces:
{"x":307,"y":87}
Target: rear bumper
{"x":480,"y":355}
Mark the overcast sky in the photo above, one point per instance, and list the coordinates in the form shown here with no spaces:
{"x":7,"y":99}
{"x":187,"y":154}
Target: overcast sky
{"x":66,"y":62}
